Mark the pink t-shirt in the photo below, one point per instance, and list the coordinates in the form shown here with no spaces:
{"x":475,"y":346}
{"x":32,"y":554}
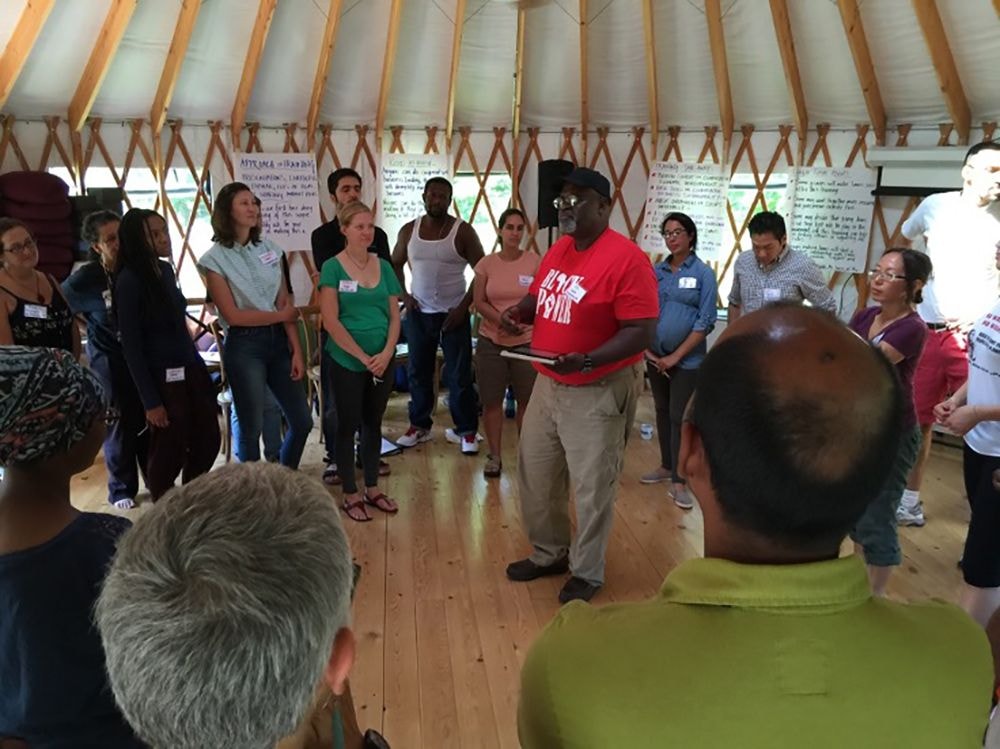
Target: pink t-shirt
{"x":507,"y":284}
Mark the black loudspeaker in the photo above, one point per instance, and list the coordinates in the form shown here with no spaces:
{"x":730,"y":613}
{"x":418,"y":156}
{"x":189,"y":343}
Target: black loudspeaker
{"x":550,"y":176}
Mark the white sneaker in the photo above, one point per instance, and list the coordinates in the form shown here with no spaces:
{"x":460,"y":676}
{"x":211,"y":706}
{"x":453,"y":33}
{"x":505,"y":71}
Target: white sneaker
{"x":414,"y":436}
{"x":913,"y":516}
{"x":683,"y":499}
{"x":470,"y":446}
{"x":456,"y":439}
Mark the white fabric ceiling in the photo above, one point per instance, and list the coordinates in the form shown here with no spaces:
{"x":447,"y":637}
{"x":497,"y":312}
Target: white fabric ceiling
{"x":617,"y":89}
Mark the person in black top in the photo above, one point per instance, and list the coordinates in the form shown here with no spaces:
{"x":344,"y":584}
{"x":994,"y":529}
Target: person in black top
{"x":53,"y":689}
{"x":88,"y":292}
{"x":34,"y":310}
{"x":170,"y":376}
{"x":328,"y":241}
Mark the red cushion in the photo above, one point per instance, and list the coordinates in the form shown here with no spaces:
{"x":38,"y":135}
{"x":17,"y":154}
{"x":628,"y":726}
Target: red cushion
{"x":33,"y":187}
{"x":36,"y":211}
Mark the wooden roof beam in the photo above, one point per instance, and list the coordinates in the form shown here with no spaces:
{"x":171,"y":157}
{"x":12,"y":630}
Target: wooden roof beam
{"x":322,"y":70}
{"x":456,"y":53}
{"x":850,"y":16}
{"x":15,"y":54}
{"x":100,"y":60}
{"x":172,"y":67}
{"x":652,"y":90}
{"x":786,"y":44}
{"x":265,"y":12}
{"x":584,"y":80}
{"x":944,"y":66}
{"x":392,"y":36}
{"x":519,"y":71}
{"x":720,"y":65}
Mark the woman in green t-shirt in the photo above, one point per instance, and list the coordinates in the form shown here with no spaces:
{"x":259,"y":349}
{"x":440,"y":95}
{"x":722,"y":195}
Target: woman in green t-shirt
{"x":359,"y":298}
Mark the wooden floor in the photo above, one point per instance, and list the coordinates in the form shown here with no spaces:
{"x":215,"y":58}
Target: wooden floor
{"x":442,"y":633}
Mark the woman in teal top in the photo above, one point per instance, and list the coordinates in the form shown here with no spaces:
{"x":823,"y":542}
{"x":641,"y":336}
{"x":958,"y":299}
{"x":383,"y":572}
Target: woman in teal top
{"x":359,"y":298}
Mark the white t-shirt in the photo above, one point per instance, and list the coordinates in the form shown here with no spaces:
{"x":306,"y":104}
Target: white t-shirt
{"x":984,"y":381}
{"x":961,"y":240}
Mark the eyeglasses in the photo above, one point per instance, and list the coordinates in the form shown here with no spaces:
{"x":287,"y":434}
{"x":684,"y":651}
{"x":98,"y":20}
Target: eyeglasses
{"x":674,"y":233}
{"x":21,"y":247}
{"x":881,"y":275}
{"x":572,"y":202}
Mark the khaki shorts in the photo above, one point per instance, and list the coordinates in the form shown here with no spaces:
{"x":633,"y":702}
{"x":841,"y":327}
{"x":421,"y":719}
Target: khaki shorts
{"x":494,"y":373}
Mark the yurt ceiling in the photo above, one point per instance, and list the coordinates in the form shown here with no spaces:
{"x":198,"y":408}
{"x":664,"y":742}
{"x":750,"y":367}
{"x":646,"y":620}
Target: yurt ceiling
{"x":587,"y":62}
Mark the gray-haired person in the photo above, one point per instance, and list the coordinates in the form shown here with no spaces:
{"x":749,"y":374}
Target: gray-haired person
{"x":225,"y":615}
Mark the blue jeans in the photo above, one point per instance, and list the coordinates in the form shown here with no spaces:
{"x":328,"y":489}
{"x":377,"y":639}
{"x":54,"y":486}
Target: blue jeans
{"x":271,"y":430}
{"x":126,"y":440}
{"x":257,"y":360}
{"x":423,"y":333}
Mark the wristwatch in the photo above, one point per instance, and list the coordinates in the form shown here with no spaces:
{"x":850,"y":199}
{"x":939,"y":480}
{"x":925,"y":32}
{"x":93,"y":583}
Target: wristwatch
{"x":588,"y":363}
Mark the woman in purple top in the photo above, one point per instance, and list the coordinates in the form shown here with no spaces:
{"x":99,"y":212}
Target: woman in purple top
{"x":893,"y":326}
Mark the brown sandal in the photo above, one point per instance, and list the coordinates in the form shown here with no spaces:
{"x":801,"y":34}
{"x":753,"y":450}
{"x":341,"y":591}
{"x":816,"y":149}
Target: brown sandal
{"x":381,"y":502}
{"x":351,"y":508}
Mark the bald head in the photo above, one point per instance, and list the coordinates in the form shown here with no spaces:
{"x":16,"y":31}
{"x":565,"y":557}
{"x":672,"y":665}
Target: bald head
{"x":800,"y":420}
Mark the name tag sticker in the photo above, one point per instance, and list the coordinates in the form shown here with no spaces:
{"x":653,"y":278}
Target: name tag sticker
{"x":688,"y":283}
{"x":525,"y":280}
{"x":269,"y":258}
{"x":175,"y":374}
{"x":772,"y":295}
{"x":576,"y":292}
{"x":349,"y":287}
{"x":36,"y":311}
{"x":106,"y":295}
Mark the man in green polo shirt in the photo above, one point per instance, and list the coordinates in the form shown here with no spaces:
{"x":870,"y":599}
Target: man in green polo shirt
{"x":771,"y":640}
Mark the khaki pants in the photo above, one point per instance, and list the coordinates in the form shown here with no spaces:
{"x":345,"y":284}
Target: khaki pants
{"x":575,"y":434}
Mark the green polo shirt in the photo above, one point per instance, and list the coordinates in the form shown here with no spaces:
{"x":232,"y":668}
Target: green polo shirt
{"x":758,"y":657}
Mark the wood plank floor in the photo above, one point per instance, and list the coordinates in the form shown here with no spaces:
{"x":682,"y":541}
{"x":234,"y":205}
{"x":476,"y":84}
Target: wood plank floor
{"x":442,"y":633}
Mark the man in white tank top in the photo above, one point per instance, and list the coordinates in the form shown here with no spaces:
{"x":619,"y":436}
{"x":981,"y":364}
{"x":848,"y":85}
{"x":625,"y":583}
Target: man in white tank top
{"x":438,"y":247}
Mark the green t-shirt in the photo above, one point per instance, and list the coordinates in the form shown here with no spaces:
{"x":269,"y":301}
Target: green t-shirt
{"x":364,"y":312}
{"x":758,"y":657}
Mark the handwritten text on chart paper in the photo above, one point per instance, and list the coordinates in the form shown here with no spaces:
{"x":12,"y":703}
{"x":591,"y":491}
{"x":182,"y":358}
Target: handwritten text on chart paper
{"x":289,"y":193}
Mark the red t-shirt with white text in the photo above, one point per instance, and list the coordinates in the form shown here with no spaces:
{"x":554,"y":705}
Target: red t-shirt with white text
{"x":582,"y":297}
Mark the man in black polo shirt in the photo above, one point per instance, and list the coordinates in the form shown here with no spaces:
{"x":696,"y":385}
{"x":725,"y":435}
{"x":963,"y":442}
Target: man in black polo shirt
{"x":327,"y":241}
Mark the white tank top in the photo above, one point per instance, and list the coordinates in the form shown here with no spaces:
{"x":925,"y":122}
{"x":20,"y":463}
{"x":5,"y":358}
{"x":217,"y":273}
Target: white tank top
{"x":437,"y":270}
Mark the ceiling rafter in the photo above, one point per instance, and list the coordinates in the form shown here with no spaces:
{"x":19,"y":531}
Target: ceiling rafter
{"x":265,"y":12}
{"x":456,"y":54}
{"x":15,"y":54}
{"x":652,"y":89}
{"x":100,"y":59}
{"x":786,"y":44}
{"x":584,"y":80}
{"x":720,"y":65}
{"x":392,"y":36}
{"x":172,"y":67}
{"x":850,"y":16}
{"x":944,"y":66}
{"x":515,"y":172}
{"x":322,"y":70}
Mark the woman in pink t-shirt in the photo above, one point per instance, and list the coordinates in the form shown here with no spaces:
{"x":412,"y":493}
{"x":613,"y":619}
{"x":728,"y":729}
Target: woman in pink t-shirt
{"x":502,"y":280}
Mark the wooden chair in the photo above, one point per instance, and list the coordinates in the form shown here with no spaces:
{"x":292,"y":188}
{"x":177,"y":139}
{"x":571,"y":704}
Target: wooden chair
{"x":225,"y":395}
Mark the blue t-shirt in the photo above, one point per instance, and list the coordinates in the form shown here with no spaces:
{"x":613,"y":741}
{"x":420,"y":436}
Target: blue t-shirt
{"x":54,"y":692}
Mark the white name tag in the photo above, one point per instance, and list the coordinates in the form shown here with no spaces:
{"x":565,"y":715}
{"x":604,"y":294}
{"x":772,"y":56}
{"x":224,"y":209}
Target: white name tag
{"x":269,"y":258}
{"x":576,"y":292}
{"x":772,"y":295}
{"x":106,"y":295}
{"x":349,"y":287}
{"x":688,"y":283}
{"x":36,"y":311}
{"x":175,"y":374}
{"x":525,"y":280}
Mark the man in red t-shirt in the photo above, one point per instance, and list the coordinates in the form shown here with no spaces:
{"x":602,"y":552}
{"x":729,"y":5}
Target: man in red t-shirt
{"x":593,"y":302}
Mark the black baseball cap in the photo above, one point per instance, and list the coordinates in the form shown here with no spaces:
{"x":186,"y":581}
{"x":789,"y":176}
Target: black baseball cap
{"x":583,"y":177}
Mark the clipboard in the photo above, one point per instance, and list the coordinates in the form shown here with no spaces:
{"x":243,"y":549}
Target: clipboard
{"x":531,"y":354}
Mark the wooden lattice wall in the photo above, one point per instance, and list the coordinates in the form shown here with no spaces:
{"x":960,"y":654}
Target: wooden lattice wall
{"x":624,"y":157}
